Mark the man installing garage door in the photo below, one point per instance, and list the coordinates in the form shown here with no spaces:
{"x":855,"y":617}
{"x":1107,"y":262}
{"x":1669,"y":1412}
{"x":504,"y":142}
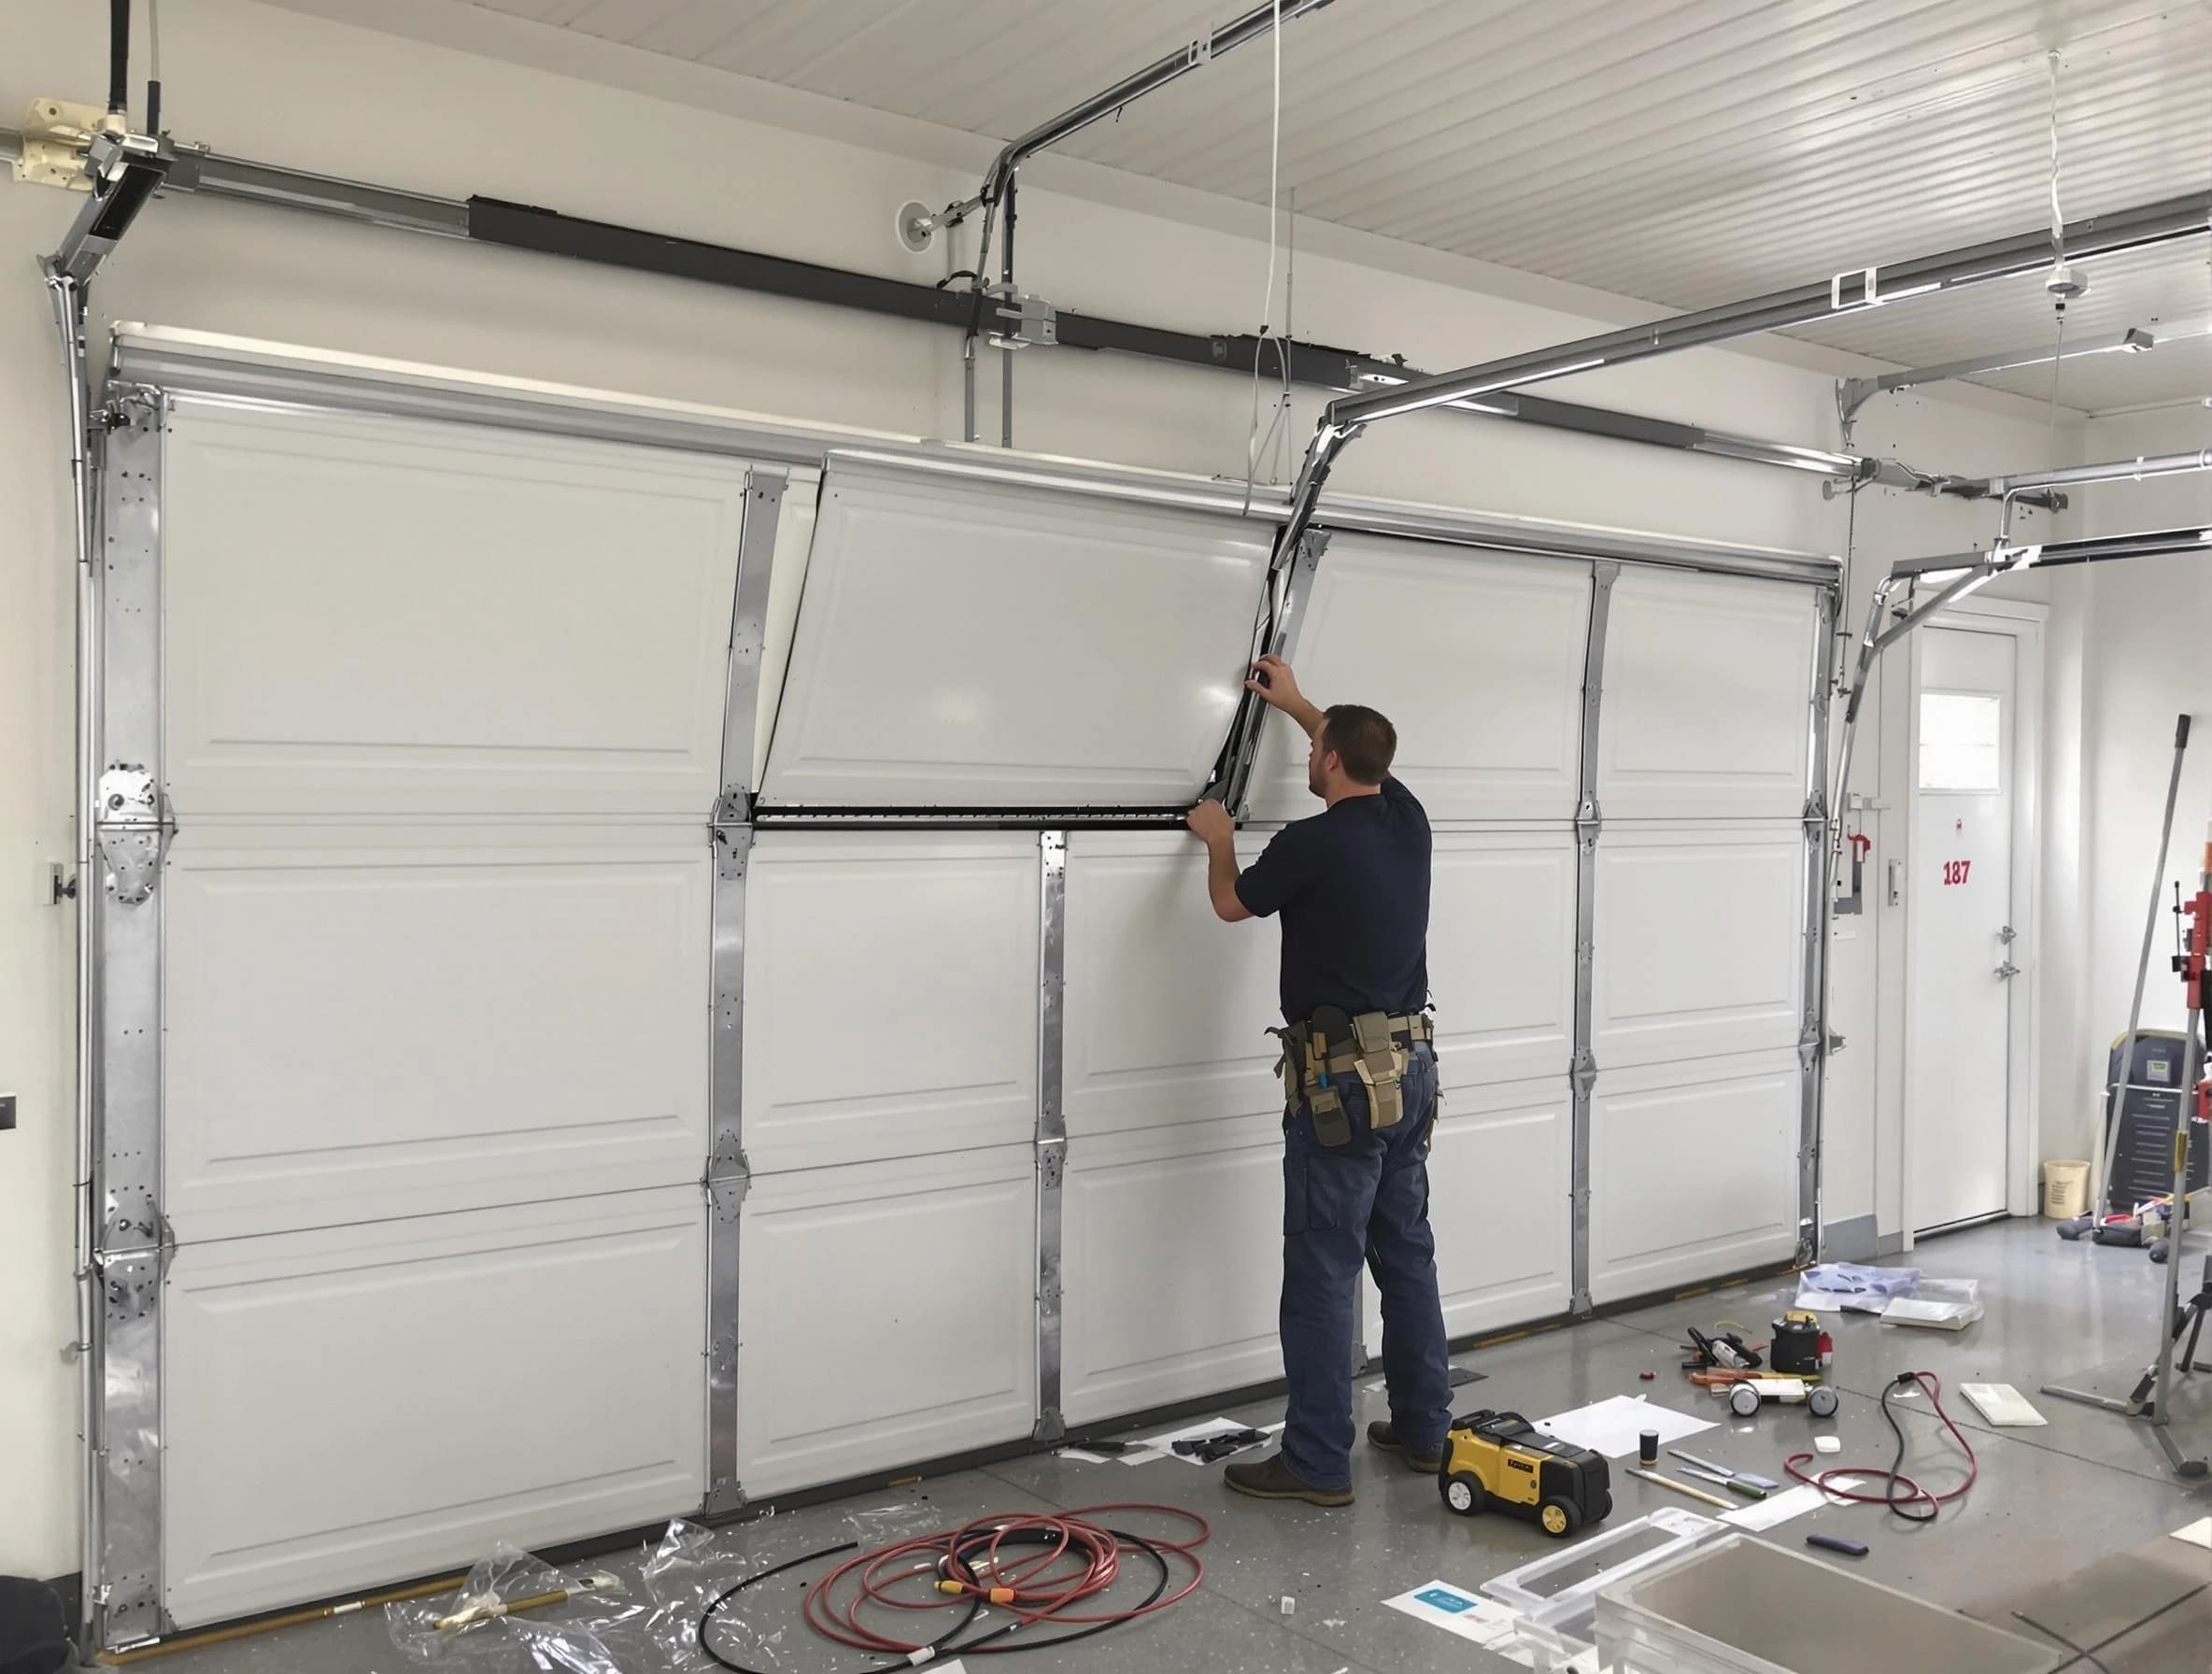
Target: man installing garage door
{"x":1359,"y":1074}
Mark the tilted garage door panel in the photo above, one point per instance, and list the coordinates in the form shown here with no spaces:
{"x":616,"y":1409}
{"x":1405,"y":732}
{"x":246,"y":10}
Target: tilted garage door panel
{"x":975,"y":645}
{"x":362,"y":1404}
{"x":397,"y":616}
{"x":1476,"y":657}
{"x":887,"y":1315}
{"x":1708,"y":696}
{"x":890,"y":995}
{"x":452,"y":1019}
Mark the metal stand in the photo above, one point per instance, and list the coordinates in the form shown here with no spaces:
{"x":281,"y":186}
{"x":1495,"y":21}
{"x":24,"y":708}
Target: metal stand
{"x":2101,"y":1186}
{"x":2151,"y":1397}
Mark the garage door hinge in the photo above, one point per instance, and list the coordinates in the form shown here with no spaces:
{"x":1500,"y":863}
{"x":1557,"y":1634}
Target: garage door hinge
{"x":725,"y":1192}
{"x":134,"y":830}
{"x":1050,"y":1426}
{"x":1052,"y":1163}
{"x":1808,"y":1047}
{"x":1816,"y":809}
{"x":731,"y":835}
{"x":1583,"y":1075}
{"x":1589,"y":820}
{"x":135,"y":406}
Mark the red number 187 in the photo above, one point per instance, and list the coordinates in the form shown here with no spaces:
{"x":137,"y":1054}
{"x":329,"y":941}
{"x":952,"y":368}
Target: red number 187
{"x":1954,"y":872}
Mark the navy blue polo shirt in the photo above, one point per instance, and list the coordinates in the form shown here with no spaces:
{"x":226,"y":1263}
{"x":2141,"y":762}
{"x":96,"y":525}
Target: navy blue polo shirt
{"x":1352,"y":885}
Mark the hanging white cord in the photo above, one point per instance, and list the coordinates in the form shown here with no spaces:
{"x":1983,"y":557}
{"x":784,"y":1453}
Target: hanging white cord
{"x":1267,"y":306}
{"x":2058,"y":257}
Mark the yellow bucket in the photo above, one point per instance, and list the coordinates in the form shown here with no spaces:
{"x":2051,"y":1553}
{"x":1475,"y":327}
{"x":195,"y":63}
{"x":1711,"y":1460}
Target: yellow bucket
{"x":2065,"y":1189}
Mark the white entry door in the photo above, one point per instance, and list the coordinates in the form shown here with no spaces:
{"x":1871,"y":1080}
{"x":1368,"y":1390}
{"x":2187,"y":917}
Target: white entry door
{"x":1963,"y":925}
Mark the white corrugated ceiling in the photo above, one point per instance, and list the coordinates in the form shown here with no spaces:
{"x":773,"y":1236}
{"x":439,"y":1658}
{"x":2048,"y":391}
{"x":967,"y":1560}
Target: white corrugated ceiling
{"x":1686,"y":152}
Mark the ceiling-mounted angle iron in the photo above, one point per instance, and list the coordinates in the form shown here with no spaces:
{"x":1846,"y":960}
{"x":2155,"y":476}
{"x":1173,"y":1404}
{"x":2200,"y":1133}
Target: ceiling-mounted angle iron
{"x":1852,"y":393}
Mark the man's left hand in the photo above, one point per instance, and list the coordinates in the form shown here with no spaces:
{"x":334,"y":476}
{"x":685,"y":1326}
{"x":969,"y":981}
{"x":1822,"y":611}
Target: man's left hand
{"x":1210,"y":822}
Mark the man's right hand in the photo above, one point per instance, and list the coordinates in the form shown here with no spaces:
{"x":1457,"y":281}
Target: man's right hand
{"x":1272,"y":678}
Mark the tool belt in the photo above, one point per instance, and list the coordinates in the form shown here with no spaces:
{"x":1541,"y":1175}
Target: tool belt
{"x":1332,"y":1044}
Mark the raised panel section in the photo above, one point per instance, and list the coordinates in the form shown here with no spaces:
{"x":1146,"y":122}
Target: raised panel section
{"x":1693,"y":1171}
{"x":362,"y":1404}
{"x":1171,"y":1265}
{"x":1708,"y":696}
{"x":1477,"y":658}
{"x":1700,"y":942}
{"x":401,"y":617}
{"x":964,"y":644}
{"x":457,"y":1017}
{"x":887,"y":1315}
{"x":890,"y":995}
{"x":1167,"y":1006}
{"x":1503,"y":1256}
{"x":1501,"y":933}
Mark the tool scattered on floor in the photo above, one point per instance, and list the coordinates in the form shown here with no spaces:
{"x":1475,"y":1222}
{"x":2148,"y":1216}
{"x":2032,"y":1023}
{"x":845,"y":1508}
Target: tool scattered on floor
{"x":1756,"y":1481}
{"x":247,"y":1630}
{"x":1736,"y":1485}
{"x":489,"y":1608}
{"x":1034,"y":1570}
{"x":1746,"y":1396}
{"x":1798,"y":1347}
{"x":1850,"y":1549}
{"x":1499,"y":1461}
{"x":1211,"y":1449}
{"x":1647,"y":1448}
{"x":1684,"y":1488}
{"x":1725,"y":1349}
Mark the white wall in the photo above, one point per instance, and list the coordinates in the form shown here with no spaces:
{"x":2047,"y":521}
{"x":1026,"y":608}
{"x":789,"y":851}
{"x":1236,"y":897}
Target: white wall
{"x":284,"y":87}
{"x":2141,"y":625}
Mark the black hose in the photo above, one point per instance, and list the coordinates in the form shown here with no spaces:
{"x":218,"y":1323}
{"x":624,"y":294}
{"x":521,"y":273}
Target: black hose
{"x":119,"y":56}
{"x":1899,"y":1507}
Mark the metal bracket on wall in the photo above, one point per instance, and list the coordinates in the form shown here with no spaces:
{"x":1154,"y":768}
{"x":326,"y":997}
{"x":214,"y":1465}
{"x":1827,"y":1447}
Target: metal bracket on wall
{"x":1052,"y":1125}
{"x":133,"y":832}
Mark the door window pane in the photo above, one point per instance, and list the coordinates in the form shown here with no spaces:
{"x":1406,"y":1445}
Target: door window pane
{"x":1961,"y":733}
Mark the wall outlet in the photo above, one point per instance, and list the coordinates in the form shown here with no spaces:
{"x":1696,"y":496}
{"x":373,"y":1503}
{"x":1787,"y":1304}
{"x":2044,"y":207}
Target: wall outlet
{"x":6,"y":1111}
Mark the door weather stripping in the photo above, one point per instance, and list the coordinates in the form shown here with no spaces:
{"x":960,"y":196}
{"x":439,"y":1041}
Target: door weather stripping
{"x":518,"y":226}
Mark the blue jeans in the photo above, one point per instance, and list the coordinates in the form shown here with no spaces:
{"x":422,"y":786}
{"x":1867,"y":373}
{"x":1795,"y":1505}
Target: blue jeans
{"x":1365,"y":1201}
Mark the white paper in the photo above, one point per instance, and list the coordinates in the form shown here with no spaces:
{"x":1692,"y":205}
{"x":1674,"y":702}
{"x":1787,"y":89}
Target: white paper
{"x":1612,"y":1426}
{"x":1794,"y":1502}
{"x":2002,"y":1405}
{"x":2197,"y":1534}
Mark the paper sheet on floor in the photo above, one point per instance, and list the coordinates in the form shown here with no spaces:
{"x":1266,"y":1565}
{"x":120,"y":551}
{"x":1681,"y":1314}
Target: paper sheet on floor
{"x":1611,"y":1426}
{"x":1482,"y":1622}
{"x":1777,"y":1509}
{"x":2197,"y":1534}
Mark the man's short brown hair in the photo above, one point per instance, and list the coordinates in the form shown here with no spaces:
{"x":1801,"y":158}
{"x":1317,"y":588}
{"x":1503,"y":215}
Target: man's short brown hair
{"x":1364,"y":740}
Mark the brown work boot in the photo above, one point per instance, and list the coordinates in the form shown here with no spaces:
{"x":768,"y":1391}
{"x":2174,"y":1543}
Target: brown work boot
{"x":1380,"y":1433}
{"x":1271,"y":1479}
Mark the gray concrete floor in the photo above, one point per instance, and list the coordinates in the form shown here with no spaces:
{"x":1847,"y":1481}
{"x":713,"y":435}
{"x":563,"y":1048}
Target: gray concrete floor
{"x":2050,"y":1502}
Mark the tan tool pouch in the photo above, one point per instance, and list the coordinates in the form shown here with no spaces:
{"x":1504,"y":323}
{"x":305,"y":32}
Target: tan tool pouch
{"x":1381,"y":1069}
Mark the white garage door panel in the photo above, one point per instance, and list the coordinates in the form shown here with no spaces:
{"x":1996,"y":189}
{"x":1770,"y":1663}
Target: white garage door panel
{"x":1172,"y":1265}
{"x":1476,"y":657}
{"x":1501,"y":940}
{"x":1700,"y":942}
{"x":1503,"y":1257}
{"x":456,"y":1018}
{"x":1693,"y":1171}
{"x":1167,"y":1006}
{"x":890,"y":996}
{"x":400,"y":616}
{"x":1707,"y":695}
{"x":353,"y":1406}
{"x":972,"y":645}
{"x":887,"y":1314}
